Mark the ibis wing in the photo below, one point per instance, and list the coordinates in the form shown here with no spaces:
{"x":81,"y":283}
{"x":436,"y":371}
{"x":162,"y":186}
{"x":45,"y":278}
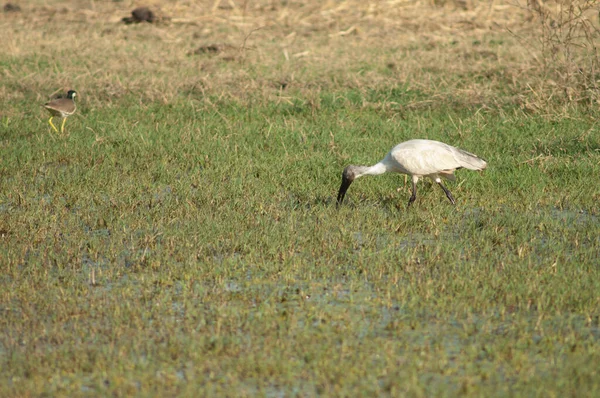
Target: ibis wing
{"x":424,"y":160}
{"x":424,"y":157}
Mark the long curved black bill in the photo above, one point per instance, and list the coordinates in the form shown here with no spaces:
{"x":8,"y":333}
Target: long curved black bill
{"x":343,"y":188}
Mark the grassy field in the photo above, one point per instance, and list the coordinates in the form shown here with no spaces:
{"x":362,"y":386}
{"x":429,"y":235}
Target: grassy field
{"x":182,"y":238}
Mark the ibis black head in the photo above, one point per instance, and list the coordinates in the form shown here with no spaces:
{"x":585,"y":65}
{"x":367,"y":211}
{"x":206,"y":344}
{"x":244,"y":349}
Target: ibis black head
{"x":348,"y":176}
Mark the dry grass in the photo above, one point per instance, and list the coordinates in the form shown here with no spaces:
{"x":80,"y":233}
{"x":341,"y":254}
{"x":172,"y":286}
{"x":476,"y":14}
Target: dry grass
{"x":473,"y":52}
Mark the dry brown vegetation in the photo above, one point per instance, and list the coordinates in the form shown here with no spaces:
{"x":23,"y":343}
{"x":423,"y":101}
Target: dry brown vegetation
{"x":482,"y":53}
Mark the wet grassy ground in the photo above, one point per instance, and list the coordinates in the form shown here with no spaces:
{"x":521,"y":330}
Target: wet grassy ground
{"x":182,"y":237}
{"x":184,"y":248}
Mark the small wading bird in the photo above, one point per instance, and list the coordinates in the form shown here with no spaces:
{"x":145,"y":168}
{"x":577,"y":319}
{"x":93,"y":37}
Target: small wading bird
{"x":63,"y":108}
{"x":417,"y":158}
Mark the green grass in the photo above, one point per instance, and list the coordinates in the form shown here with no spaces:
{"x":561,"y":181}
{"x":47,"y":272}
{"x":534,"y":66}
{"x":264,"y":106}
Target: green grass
{"x":222,"y":266}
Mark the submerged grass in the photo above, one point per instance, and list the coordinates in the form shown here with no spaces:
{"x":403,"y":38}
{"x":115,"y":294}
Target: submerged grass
{"x":187,"y":242}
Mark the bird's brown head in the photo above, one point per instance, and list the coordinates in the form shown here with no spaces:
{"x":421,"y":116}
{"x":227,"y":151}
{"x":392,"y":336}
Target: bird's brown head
{"x":348,"y":176}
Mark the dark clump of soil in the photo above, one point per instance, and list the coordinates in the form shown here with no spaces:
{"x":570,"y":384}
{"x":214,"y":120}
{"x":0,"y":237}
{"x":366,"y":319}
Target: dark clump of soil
{"x":11,"y":7}
{"x":213,"y":48}
{"x":209,"y":48}
{"x":140,"y":14}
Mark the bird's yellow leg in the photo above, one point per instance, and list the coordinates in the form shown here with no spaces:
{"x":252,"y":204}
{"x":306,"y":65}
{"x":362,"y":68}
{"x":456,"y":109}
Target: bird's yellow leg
{"x":62,"y":127}
{"x":53,"y":126}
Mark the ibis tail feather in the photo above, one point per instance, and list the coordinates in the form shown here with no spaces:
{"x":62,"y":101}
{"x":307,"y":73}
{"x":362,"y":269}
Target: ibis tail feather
{"x":469,"y":160}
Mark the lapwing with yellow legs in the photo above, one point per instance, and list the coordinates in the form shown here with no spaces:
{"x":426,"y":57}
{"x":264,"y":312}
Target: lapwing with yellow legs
{"x":63,"y":108}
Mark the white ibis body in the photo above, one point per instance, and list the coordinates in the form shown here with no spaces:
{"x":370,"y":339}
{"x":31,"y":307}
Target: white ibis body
{"x":417,"y":158}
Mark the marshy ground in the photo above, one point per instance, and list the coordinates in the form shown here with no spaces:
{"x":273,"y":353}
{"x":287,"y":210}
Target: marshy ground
{"x":182,"y":238}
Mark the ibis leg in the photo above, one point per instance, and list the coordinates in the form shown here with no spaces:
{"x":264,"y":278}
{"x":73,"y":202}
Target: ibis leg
{"x":51,"y":124}
{"x":448,"y":194}
{"x":62,"y":127}
{"x":413,"y":197}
